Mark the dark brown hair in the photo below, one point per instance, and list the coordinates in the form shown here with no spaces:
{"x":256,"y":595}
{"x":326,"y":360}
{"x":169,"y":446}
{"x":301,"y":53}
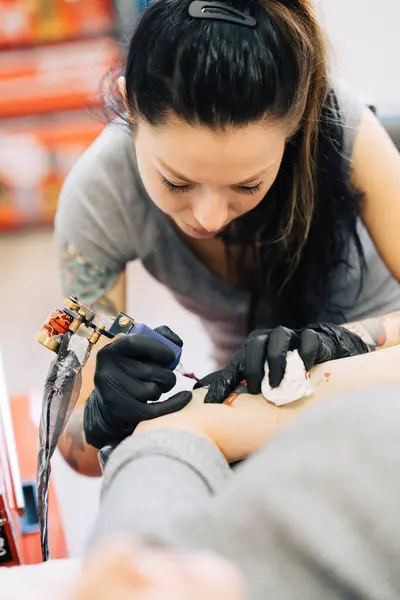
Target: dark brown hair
{"x":218,"y":75}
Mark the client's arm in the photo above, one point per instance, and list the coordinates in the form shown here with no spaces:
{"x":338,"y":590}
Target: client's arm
{"x":249,"y":421}
{"x":168,"y":470}
{"x":293,"y":517}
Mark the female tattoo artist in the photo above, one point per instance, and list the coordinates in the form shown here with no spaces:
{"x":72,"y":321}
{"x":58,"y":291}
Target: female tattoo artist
{"x":264,"y":199}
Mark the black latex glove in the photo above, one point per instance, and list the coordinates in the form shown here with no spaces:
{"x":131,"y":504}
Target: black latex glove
{"x":316,"y":344}
{"x":130,"y":372}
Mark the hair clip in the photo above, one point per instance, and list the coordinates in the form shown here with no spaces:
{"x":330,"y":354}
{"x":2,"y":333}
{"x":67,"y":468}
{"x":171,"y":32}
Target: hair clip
{"x":216,"y":11}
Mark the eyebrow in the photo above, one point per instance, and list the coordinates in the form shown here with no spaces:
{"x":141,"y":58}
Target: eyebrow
{"x":251,"y":179}
{"x":174,"y":173}
{"x":183,"y":178}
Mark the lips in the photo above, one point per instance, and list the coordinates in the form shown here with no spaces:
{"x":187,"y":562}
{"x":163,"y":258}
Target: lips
{"x":200,"y":233}
{"x":204,"y":231}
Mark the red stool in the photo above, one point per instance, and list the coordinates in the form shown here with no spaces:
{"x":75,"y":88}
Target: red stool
{"x":19,"y":530}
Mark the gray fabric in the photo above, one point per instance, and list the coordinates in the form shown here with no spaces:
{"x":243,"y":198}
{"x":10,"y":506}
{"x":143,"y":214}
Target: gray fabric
{"x":182,"y":469}
{"x":312,"y":516}
{"x":105,"y":212}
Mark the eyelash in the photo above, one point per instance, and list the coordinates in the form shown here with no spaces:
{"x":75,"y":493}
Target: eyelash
{"x":185,"y":188}
{"x":251,"y":190}
{"x":175,"y":188}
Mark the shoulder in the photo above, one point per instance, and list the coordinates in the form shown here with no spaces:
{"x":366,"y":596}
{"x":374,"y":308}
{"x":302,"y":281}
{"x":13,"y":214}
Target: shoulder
{"x":366,"y":143}
{"x":351,"y":113}
{"x":100,"y":190}
{"x":375,"y":173}
{"x":112,"y":148}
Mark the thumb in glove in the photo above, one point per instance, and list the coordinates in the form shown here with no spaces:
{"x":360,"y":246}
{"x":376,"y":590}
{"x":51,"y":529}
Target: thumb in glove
{"x":173,"y":404}
{"x":99,"y":432}
{"x":222,"y":383}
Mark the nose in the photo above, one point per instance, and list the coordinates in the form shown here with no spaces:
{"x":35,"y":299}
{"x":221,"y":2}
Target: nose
{"x":211,"y":211}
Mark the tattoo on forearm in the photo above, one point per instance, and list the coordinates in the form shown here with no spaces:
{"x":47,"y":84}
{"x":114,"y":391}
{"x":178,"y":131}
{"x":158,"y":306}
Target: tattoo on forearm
{"x":91,"y":283}
{"x":372,"y":332}
{"x":74,"y":440}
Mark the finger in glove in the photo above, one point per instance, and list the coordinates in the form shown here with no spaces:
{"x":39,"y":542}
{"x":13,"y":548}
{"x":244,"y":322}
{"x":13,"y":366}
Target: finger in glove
{"x":165,"y":331}
{"x":207,"y":380}
{"x":130,"y":374}
{"x":225,"y":380}
{"x":280,"y":342}
{"x":139,"y":347}
{"x":100,"y":432}
{"x":309,"y":348}
{"x":254,"y":360}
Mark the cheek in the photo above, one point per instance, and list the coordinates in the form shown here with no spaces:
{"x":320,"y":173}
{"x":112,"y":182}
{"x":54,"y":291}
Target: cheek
{"x":244,"y":203}
{"x":166,"y":201}
{"x":250,"y":201}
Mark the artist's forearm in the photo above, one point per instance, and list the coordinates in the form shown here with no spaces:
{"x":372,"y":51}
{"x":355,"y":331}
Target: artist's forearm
{"x":104,"y":291}
{"x":378,"y":332}
{"x":80,"y":456}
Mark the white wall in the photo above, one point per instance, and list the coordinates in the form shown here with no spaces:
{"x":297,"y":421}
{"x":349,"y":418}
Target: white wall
{"x":365,"y":44}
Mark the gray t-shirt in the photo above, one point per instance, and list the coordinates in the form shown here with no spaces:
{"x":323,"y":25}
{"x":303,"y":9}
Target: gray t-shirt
{"x":105,"y":212}
{"x":313,"y":515}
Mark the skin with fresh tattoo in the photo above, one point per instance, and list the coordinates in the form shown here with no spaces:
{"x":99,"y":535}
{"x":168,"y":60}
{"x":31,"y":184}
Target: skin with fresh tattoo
{"x":241,"y":389}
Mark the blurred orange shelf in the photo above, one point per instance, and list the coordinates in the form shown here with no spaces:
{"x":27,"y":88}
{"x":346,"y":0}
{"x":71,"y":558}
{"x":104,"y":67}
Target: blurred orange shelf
{"x":32,"y":22}
{"x":47,"y":81}
{"x":65,"y":77}
{"x":47,"y":147}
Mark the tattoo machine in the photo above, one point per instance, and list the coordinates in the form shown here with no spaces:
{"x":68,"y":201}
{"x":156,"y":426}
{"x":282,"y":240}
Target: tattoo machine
{"x":71,"y":332}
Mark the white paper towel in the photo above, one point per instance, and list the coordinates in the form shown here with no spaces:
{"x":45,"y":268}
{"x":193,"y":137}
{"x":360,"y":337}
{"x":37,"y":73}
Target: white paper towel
{"x":295,"y":383}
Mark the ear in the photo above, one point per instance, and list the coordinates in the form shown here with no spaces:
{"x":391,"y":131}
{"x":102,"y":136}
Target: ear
{"x":122,"y":89}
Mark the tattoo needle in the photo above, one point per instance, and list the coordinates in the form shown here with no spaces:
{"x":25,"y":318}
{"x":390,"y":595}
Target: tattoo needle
{"x":182,"y":371}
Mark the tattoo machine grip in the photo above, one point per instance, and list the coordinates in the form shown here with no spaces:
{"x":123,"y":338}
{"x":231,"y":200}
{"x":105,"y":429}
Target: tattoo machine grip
{"x":142,"y":329}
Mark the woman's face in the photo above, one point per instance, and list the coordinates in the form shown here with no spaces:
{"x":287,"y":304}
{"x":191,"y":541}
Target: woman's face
{"x":204,"y":179}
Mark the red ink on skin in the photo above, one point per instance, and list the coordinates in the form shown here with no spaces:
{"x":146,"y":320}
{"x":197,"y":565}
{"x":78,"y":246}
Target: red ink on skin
{"x":230,"y":399}
{"x":239,"y":390}
{"x":191,"y":376}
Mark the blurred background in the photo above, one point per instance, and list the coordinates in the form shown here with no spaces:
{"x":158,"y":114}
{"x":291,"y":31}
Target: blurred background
{"x":53,"y":55}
